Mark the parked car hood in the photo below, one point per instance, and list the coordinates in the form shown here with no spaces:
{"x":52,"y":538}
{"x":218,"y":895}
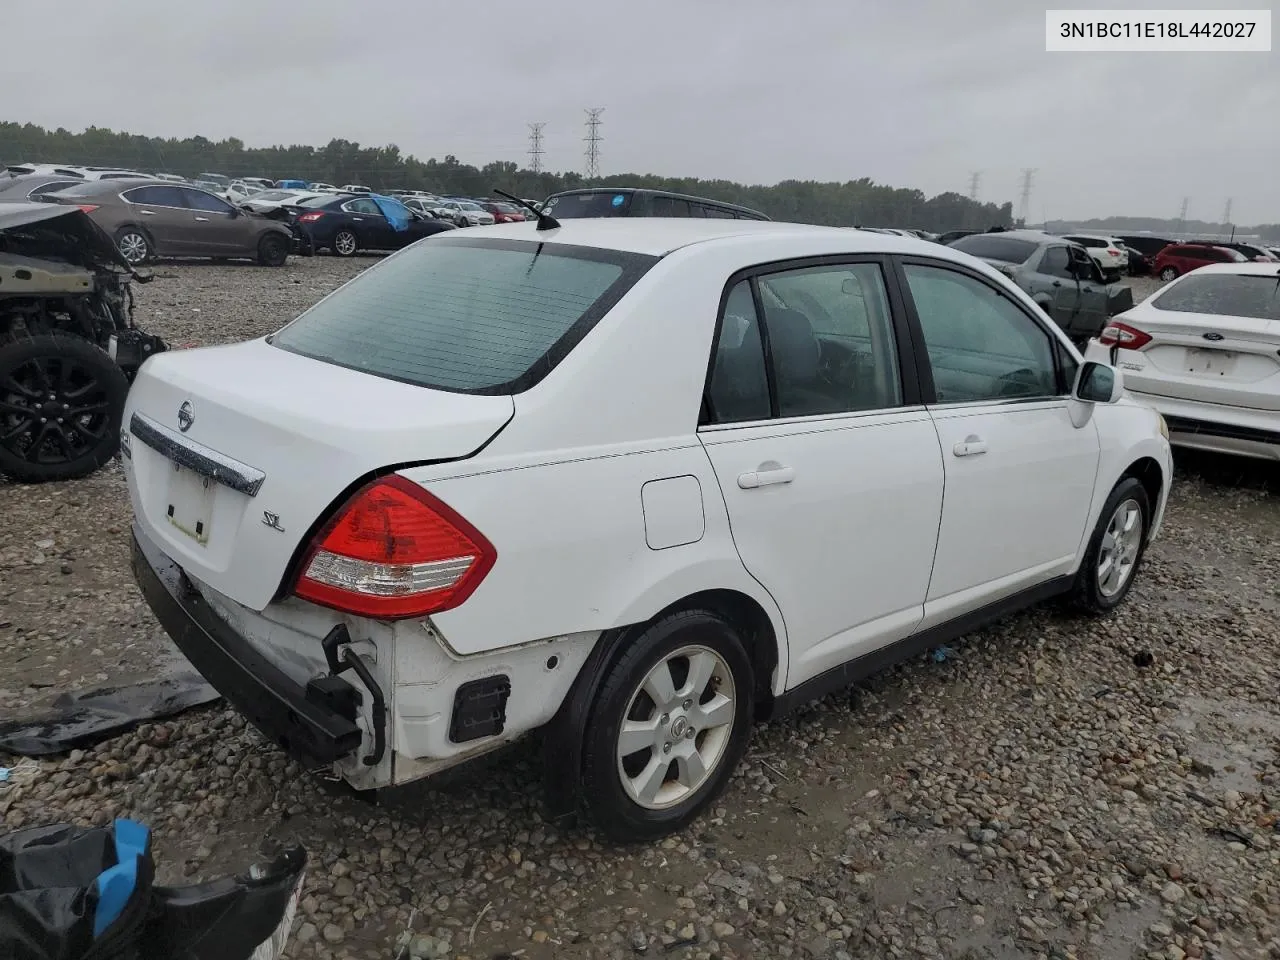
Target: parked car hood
{"x":61,"y":232}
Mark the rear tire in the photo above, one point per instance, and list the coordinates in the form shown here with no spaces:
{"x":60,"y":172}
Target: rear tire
{"x":273,"y":250}
{"x":63,"y":420}
{"x":134,"y":245}
{"x":1169,"y":273}
{"x":686,"y":743}
{"x":345,"y":243}
{"x":1115,"y":550}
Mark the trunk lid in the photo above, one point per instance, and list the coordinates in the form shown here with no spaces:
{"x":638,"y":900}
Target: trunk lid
{"x":1209,"y":358}
{"x":282,"y":436}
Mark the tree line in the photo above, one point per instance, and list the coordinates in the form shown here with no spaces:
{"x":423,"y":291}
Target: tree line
{"x":852,"y":203}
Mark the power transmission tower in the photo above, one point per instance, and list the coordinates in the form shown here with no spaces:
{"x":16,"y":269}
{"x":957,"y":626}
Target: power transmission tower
{"x":1182,"y":215}
{"x":535,"y":147}
{"x":1024,"y":203}
{"x":593,"y":139}
{"x":1226,"y":214}
{"x":974,"y":179}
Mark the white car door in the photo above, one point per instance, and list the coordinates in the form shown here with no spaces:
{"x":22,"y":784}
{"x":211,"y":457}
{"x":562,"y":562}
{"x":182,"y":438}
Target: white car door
{"x":828,"y":462}
{"x":1020,"y":474}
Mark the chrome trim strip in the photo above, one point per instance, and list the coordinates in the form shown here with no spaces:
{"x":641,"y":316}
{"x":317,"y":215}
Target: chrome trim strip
{"x":196,"y":456}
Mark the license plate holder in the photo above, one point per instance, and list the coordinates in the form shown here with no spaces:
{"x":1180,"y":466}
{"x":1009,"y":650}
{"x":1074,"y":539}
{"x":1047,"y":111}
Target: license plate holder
{"x":1210,"y":363}
{"x":190,"y":503}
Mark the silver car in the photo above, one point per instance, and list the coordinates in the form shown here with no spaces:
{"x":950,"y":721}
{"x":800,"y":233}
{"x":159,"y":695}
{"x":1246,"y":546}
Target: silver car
{"x":1058,"y":275}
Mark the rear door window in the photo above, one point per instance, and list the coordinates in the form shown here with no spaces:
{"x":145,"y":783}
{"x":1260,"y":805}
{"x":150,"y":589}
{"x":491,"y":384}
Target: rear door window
{"x":466,"y":315}
{"x":157,"y":197}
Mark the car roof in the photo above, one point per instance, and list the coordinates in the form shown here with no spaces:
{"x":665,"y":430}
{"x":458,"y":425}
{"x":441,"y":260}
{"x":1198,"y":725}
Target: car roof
{"x":657,"y":236}
{"x":1248,"y":268}
{"x":1034,"y":236}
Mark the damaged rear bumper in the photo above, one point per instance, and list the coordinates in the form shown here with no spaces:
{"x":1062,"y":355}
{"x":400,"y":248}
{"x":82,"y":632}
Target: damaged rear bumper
{"x":310,"y":728}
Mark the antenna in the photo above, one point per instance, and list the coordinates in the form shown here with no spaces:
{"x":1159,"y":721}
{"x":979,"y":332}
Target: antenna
{"x":974,"y":179}
{"x":1024,"y":203}
{"x":535,"y":147}
{"x":593,"y":139}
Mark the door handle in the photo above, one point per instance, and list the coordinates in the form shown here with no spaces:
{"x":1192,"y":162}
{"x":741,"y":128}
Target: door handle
{"x":202,"y":219}
{"x":1057,"y":283}
{"x":358,"y":219}
{"x":970,"y":446}
{"x":147,"y":213}
{"x":767,"y":475}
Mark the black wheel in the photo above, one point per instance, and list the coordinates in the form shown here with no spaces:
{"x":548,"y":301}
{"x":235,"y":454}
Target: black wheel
{"x":134,"y":245}
{"x":273,"y":250}
{"x":61,"y":402}
{"x":1115,"y":550}
{"x":1169,"y":273}
{"x":345,"y":243}
{"x":670,"y":724}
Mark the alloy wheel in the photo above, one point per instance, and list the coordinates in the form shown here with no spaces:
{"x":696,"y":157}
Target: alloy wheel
{"x":677,"y":727}
{"x":52,"y":410}
{"x":345,"y":243}
{"x":1120,"y":545}
{"x":133,"y":247}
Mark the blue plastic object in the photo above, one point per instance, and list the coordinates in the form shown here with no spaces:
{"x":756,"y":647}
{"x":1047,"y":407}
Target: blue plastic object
{"x":619,"y":200}
{"x":397,"y":213}
{"x":116,"y":884}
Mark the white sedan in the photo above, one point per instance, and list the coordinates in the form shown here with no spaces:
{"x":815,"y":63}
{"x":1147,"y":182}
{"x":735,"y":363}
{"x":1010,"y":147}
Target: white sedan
{"x":637,"y":482}
{"x":1205,"y":352}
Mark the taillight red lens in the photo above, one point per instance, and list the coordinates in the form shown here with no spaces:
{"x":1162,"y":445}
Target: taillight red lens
{"x":311,"y":217}
{"x":1117,"y":334}
{"x":394,"y":551}
{"x":87,"y":207}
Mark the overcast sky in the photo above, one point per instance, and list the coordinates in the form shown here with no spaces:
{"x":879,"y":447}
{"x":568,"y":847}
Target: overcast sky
{"x":915,"y":93}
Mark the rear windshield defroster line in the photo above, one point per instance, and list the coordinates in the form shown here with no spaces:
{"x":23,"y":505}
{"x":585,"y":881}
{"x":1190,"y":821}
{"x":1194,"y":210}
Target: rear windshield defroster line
{"x":466,"y":315}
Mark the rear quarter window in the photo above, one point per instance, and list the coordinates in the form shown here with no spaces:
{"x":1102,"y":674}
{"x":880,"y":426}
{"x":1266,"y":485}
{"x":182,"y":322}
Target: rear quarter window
{"x":466,"y":315}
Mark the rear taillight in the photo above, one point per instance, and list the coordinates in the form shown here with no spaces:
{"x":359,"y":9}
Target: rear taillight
{"x":1116,"y":334}
{"x":311,"y":217}
{"x":1114,"y":252}
{"x":87,"y":207}
{"x":394,"y":551}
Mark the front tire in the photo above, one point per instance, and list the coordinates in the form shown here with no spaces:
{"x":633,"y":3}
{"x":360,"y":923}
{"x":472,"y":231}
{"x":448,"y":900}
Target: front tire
{"x":345,"y":243}
{"x":670,"y":724}
{"x":1169,"y":273}
{"x":61,"y":402}
{"x":1115,"y":550}
{"x":273,"y":250}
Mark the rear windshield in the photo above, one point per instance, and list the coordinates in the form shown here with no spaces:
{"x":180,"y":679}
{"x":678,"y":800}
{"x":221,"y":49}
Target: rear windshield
{"x":994,"y":247}
{"x":1256,"y":296}
{"x":579,"y":205}
{"x":466,"y":315}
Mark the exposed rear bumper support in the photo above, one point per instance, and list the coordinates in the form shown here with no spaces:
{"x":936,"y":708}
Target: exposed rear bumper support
{"x":1225,"y":431}
{"x":272,"y":701}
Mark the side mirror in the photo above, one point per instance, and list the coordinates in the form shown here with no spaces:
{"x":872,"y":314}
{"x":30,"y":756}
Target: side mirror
{"x":1098,"y":383}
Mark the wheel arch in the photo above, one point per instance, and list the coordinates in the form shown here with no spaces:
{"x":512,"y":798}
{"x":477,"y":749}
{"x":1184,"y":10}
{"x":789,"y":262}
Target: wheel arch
{"x":1147,"y":471}
{"x":562,"y":736}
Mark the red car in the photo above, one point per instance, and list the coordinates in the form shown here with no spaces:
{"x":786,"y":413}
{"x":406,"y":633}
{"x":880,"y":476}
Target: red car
{"x":1179,"y":258}
{"x":503,"y":212}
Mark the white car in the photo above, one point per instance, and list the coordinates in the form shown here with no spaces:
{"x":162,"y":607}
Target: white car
{"x":1108,"y":252}
{"x":537,"y":476}
{"x":268,"y":200}
{"x":423,"y":206}
{"x":465,"y":213}
{"x":1205,"y":352}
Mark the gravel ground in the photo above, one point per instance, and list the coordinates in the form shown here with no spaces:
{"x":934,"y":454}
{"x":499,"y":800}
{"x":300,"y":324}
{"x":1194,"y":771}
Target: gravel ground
{"x":1036,"y":794}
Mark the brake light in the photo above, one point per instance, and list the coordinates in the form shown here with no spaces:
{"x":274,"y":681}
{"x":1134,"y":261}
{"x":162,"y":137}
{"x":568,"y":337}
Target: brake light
{"x":88,"y":207}
{"x":394,"y":551}
{"x":311,"y":217}
{"x":1113,"y":251}
{"x":1117,"y":334}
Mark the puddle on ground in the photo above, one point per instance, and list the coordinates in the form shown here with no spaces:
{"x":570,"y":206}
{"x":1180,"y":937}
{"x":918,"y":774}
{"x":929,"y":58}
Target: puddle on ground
{"x":1236,"y":740}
